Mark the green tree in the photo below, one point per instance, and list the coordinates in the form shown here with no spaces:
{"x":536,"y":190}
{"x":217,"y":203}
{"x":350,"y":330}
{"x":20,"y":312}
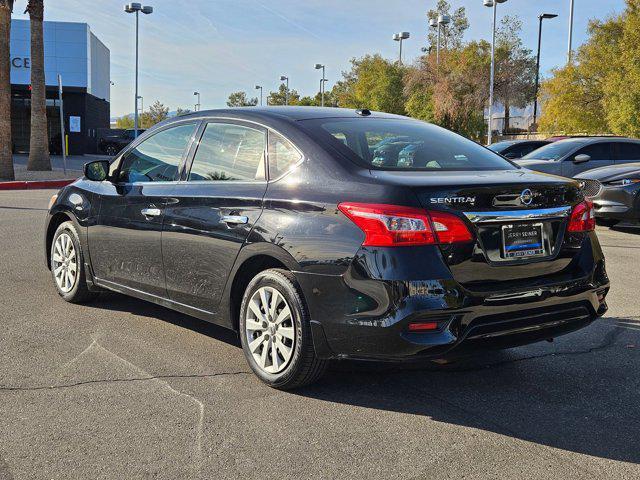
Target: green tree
{"x":6,"y":156}
{"x":452,"y":94}
{"x":125,"y":122}
{"x":582,"y":96}
{"x":240,"y":99}
{"x":515,"y":68}
{"x":182,"y":111}
{"x":156,"y":114}
{"x":620,"y":37}
{"x":278,"y":98}
{"x":374,"y":83}
{"x":451,"y":36}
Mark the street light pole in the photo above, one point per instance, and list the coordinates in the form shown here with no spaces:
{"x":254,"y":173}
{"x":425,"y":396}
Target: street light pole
{"x":284,"y":78}
{"x":494,"y":5}
{"x":137,"y":8}
{"x":399,"y":37}
{"x":570,"y":48}
{"x":318,"y":67}
{"x":535,"y":101}
{"x":259,"y":87}
{"x":197,"y":106}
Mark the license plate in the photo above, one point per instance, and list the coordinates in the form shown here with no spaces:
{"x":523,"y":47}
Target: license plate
{"x":522,"y":240}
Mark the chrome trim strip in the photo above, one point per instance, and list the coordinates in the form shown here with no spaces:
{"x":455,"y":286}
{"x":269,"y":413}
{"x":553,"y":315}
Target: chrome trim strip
{"x":518,"y":215}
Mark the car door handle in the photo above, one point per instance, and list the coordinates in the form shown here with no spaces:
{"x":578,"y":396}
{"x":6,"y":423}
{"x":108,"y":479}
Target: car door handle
{"x":151,"y":212}
{"x":235,"y":219}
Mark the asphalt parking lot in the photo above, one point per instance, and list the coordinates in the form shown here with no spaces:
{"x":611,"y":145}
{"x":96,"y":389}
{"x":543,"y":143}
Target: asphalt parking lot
{"x":124,"y":389}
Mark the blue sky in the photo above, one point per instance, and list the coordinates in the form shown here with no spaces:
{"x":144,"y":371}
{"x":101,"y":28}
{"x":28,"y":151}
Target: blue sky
{"x":220,"y":46}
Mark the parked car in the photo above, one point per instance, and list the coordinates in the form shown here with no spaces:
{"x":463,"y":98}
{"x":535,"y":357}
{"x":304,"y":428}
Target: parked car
{"x":276,"y":223}
{"x":615,"y":192}
{"x":517,"y":148}
{"x":574,"y":155}
{"x":112,"y":144}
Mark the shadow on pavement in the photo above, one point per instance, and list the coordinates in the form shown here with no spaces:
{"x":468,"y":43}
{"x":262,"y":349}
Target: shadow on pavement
{"x":573,"y":397}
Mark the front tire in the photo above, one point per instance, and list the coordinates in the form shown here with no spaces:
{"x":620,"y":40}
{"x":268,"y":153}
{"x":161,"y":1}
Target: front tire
{"x":67,"y":265}
{"x":275,"y":331}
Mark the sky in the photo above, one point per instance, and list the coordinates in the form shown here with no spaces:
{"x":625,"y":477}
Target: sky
{"x":220,"y":46}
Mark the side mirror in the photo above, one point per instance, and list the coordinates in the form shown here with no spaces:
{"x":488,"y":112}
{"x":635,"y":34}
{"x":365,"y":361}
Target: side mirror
{"x":97,"y":171}
{"x":582,"y":158}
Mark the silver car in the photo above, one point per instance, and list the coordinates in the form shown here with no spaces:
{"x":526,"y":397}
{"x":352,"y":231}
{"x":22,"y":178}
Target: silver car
{"x":574,"y":155}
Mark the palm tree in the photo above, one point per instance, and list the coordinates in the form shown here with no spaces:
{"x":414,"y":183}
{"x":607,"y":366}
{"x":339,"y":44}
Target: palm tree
{"x":6,"y":157}
{"x":39,"y":140}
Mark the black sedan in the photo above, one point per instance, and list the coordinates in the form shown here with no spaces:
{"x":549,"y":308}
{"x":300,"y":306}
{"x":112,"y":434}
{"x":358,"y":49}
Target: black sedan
{"x":279,"y":223}
{"x":517,"y":148}
{"x":615,"y":192}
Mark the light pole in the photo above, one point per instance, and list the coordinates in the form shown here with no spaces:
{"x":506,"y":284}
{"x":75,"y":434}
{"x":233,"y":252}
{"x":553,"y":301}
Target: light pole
{"x":197,"y":106}
{"x":535,"y":101}
{"x":570,"y":50}
{"x":443,"y":20}
{"x":284,"y":78}
{"x":399,"y":37}
{"x":322,"y":80}
{"x":137,"y":8}
{"x":259,"y":87}
{"x":493,"y":4}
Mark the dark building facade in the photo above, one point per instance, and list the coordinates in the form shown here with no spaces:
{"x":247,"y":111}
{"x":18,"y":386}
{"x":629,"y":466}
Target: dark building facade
{"x":82,"y":61}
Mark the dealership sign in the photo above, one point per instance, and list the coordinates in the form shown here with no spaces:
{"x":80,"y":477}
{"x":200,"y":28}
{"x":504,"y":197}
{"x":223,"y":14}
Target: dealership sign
{"x":20,"y":62}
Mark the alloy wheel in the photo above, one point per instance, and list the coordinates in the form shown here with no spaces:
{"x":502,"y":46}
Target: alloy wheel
{"x":65,"y":263}
{"x":270,"y":330}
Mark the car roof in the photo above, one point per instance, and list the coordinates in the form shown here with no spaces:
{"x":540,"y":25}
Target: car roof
{"x":293,"y":113}
{"x":589,"y":140}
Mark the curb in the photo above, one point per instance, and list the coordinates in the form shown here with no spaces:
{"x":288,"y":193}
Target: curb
{"x":33,"y":185}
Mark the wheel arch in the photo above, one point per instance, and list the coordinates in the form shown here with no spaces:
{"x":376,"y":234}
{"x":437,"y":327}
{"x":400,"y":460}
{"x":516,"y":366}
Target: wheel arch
{"x":56,"y":220}
{"x":252,"y":259}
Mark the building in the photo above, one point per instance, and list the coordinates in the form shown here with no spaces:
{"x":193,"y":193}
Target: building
{"x":76,"y":54}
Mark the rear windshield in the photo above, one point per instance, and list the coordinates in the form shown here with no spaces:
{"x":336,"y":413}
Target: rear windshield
{"x":396,"y":144}
{"x":554,"y":151}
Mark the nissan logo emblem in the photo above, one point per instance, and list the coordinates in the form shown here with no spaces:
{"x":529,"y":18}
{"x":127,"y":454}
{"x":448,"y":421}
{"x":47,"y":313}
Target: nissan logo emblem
{"x":526,"y":197}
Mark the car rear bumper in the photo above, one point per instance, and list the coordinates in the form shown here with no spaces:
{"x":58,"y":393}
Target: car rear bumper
{"x":358,"y":317}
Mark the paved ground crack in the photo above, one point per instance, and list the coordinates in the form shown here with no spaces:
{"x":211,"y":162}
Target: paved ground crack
{"x":6,"y":388}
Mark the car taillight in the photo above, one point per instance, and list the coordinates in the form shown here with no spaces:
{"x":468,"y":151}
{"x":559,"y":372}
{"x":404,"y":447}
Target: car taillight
{"x":583,"y":218}
{"x":392,"y":225}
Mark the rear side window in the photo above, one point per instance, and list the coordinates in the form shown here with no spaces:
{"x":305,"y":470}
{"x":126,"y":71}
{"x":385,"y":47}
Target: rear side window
{"x":158,"y":157}
{"x":597,"y":151}
{"x":282,"y":155}
{"x":396,"y":144}
{"x":229,"y":152}
{"x":628,"y":151}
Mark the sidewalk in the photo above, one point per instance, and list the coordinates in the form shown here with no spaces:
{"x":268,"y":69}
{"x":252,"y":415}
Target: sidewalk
{"x":48,"y":179}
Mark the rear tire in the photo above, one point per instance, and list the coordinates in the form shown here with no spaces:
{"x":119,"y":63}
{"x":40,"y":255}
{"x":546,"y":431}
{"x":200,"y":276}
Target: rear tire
{"x":67,"y":265}
{"x":275,"y":332}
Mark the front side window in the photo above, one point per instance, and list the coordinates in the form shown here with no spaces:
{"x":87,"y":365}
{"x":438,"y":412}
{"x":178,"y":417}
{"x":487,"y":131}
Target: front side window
{"x":396,"y":144}
{"x":158,"y":157}
{"x":229,"y":152}
{"x":282,"y":155}
{"x":597,"y":151}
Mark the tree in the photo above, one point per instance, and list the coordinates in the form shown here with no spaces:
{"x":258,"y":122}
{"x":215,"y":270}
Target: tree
{"x":278,"y":98}
{"x":515,"y":68}
{"x":156,"y":114}
{"x":451,"y":36}
{"x":452,"y":94}
{"x":182,"y":111}
{"x":583,"y":96}
{"x":240,"y":99}
{"x":125,"y":122}
{"x":39,"y":139}
{"x":6,"y":156}
{"x":374,"y":83}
